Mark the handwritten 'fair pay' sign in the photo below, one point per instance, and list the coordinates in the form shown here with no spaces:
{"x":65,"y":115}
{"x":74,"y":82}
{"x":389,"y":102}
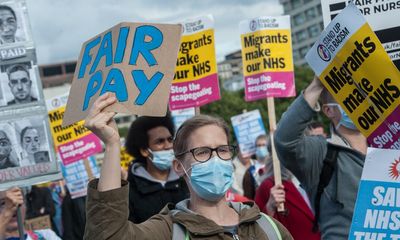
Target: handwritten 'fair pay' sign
{"x":376,"y":214}
{"x":73,"y":142}
{"x":267,"y":58}
{"x":356,"y":70}
{"x":196,"y":78}
{"x":134,"y":61}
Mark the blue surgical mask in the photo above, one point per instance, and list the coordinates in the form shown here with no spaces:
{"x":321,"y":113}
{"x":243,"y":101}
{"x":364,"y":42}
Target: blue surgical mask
{"x":212,"y":179}
{"x":162,"y":159}
{"x":345,"y":120}
{"x":261,"y":152}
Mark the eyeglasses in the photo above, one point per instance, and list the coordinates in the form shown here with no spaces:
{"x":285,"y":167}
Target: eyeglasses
{"x":203,"y":154}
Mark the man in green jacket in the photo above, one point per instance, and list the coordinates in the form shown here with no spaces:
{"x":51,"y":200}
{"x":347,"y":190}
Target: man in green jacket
{"x":304,"y":156}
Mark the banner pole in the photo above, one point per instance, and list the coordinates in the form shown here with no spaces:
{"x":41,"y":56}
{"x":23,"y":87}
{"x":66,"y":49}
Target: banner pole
{"x":275,"y":160}
{"x":197,"y":111}
{"x":88,"y":169}
{"x":20,"y":224}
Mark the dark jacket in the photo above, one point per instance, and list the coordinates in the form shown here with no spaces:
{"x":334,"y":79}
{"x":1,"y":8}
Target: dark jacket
{"x":147,"y":196}
{"x":73,"y":217}
{"x":107,"y":218}
{"x":304,"y":156}
{"x":298,"y":213}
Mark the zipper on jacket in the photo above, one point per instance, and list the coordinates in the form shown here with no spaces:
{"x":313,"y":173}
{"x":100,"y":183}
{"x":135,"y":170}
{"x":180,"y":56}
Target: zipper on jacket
{"x":235,"y":237}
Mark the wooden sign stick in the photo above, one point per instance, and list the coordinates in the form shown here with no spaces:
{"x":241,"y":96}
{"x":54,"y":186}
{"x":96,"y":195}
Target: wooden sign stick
{"x":275,"y":160}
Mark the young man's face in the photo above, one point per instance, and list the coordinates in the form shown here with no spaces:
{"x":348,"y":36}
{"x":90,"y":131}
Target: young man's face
{"x":20,"y":85}
{"x":8,"y":26}
{"x":5,"y":146}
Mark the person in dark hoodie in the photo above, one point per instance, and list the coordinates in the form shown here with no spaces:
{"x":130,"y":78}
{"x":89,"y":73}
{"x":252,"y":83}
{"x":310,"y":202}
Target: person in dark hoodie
{"x":152,"y":182}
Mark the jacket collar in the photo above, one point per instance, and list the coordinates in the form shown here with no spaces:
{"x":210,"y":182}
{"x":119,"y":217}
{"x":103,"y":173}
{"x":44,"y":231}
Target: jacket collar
{"x":200,"y":225}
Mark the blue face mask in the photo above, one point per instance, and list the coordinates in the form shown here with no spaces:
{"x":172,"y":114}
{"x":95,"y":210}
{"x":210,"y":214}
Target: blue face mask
{"x":261,"y":152}
{"x":211,"y":180}
{"x":345,"y":120}
{"x":162,"y":159}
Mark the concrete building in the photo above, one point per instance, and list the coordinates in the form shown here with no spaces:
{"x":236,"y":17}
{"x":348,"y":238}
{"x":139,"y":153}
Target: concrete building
{"x":230,"y":72}
{"x":307,"y":24}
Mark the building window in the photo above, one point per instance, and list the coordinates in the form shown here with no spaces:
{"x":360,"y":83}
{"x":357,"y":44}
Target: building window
{"x":296,"y":3}
{"x":301,"y":35}
{"x":311,"y":14}
{"x":70,"y":68}
{"x":52,"y":71}
{"x":303,"y":51}
{"x":307,"y":1}
{"x":299,"y":19}
{"x":295,"y":55}
{"x":313,"y":30}
{"x":287,"y":7}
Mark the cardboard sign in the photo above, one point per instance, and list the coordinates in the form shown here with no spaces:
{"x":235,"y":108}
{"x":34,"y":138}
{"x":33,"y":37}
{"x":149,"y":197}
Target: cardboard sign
{"x":356,"y":70}
{"x":135,"y":61}
{"x":247,"y":127}
{"x":267,"y":58}
{"x":196,"y":78}
{"x":382,"y":16}
{"x":126,"y":159}
{"x":38,"y":223}
{"x":181,"y":115}
{"x":78,"y":174}
{"x":377,"y":210}
{"x":73,"y":142}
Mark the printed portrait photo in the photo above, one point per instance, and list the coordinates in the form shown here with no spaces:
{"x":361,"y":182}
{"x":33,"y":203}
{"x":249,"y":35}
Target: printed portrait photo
{"x":33,"y":140}
{"x":13,"y":23}
{"x":9,"y":147}
{"x":19,"y":84}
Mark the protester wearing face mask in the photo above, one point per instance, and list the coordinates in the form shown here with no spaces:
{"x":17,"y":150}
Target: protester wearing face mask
{"x":254,"y":174}
{"x":152,"y":182}
{"x":343,"y":155}
{"x":203,"y":157}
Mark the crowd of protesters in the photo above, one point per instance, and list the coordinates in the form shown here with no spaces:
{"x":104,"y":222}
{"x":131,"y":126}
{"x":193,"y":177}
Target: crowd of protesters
{"x":192,"y":183}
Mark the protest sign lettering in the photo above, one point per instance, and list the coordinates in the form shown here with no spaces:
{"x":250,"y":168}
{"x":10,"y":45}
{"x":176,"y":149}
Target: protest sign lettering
{"x":356,"y":70}
{"x":247,"y":127}
{"x":73,"y":142}
{"x":267,"y":58}
{"x":382,"y":16}
{"x":78,"y":174}
{"x":135,"y":61}
{"x":377,"y":209}
{"x":196,"y":78}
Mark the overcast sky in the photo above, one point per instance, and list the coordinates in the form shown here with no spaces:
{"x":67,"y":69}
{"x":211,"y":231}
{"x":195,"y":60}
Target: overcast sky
{"x":60,"y":27}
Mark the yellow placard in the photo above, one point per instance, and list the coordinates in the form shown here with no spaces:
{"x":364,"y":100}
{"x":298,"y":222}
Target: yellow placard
{"x":196,"y":57}
{"x":376,"y":92}
{"x":267,"y":50}
{"x":62,"y":135}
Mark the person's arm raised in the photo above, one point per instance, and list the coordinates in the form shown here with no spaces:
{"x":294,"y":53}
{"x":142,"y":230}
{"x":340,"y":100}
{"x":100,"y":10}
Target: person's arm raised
{"x":101,"y":123}
{"x":313,"y":91}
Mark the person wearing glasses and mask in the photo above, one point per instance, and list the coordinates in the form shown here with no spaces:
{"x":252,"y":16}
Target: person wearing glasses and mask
{"x":203,"y":157}
{"x":152,"y":182}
